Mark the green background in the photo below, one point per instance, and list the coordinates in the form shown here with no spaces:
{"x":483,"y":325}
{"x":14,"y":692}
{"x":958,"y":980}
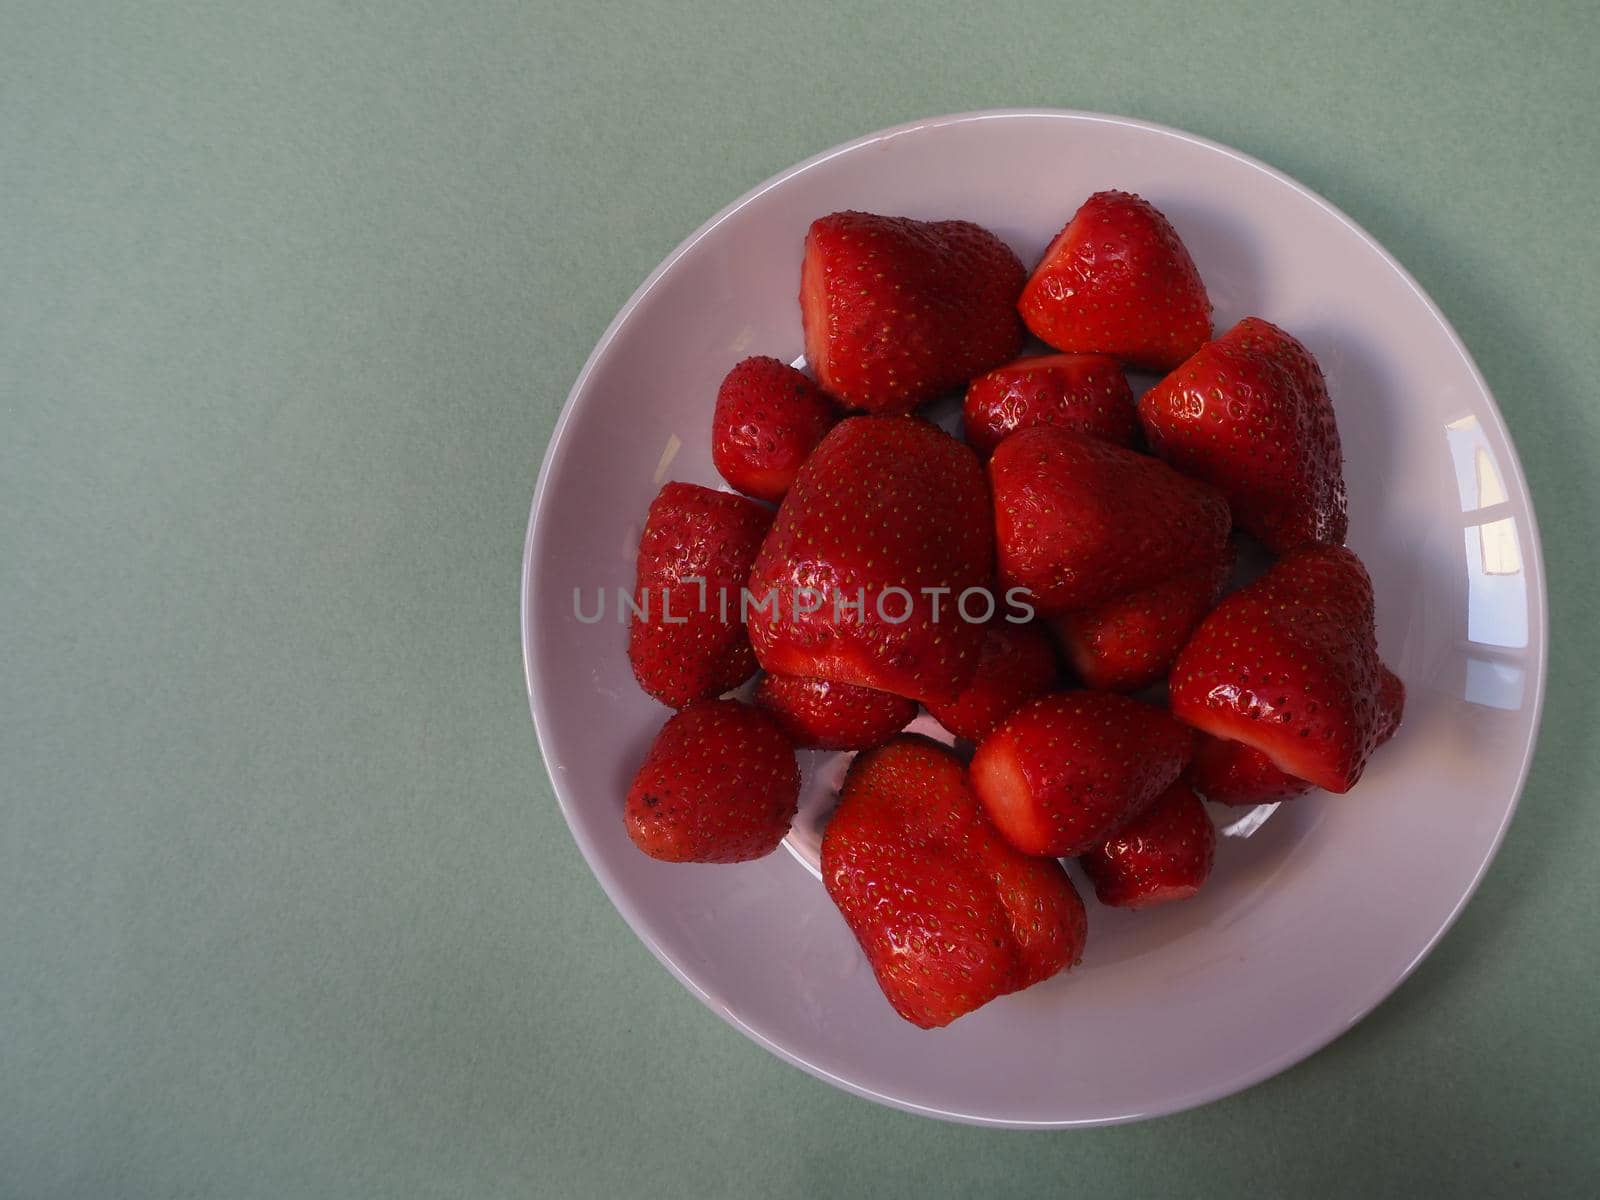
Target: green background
{"x":290,"y":296}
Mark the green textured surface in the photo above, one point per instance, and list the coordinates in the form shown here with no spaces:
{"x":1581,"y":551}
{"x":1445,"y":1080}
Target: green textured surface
{"x":290,"y":296}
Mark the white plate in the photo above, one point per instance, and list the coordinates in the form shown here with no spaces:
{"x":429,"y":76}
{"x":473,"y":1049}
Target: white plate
{"x":1307,"y":923}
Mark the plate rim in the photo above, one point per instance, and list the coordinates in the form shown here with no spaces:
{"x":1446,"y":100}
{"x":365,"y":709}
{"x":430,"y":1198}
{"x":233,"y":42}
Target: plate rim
{"x":555,"y":449}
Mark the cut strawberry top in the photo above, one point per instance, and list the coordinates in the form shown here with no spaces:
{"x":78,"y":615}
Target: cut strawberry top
{"x":1289,"y":665}
{"x":1064,"y":771}
{"x":1236,"y":774}
{"x":897,"y":310}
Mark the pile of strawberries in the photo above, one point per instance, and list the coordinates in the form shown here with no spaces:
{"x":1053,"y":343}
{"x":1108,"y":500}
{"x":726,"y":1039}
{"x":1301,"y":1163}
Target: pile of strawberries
{"x":904,"y":567}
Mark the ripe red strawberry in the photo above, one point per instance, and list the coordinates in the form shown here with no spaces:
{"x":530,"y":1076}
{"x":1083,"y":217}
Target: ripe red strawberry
{"x":1129,"y":643}
{"x":1232,"y":773}
{"x":720,"y":784}
{"x":1063,"y":772}
{"x":1250,"y":415}
{"x":1079,"y":521}
{"x":1086,"y":393}
{"x":832,"y":716}
{"x":684,"y":650}
{"x":768,"y":418}
{"x":1163,"y":854}
{"x":948,"y":915}
{"x":1391,"y":704}
{"x":1117,"y":280}
{"x":897,"y":311}
{"x":1016,"y":664}
{"x":884,"y":508}
{"x":1289,"y":665}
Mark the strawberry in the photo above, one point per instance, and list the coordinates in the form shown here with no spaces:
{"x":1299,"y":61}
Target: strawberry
{"x":1250,"y":414}
{"x":1016,"y":664}
{"x":1063,"y":772}
{"x":694,"y":554}
{"x":1232,"y":773}
{"x":886,"y":527}
{"x":1118,"y":281}
{"x":768,"y":417}
{"x":1163,"y":854}
{"x":1391,"y":704}
{"x":1289,"y":665}
{"x":1086,"y":393}
{"x":1129,"y":643}
{"x":820,"y":715}
{"x":948,"y":915}
{"x":720,"y":784}
{"x":1079,"y":521}
{"x":897,"y":311}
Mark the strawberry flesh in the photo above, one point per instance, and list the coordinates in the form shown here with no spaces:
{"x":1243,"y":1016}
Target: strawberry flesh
{"x":948,"y":915}
{"x":1086,"y":393}
{"x":1289,"y":665}
{"x":821,"y":715}
{"x":1079,"y":521}
{"x":1063,"y":772}
{"x":1163,"y":854}
{"x":768,"y":418}
{"x":720,"y":784}
{"x":886,"y":526}
{"x":1235,"y":774}
{"x":1119,"y":281}
{"x":897,"y":310}
{"x":694,"y":554}
{"x":1250,"y":414}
